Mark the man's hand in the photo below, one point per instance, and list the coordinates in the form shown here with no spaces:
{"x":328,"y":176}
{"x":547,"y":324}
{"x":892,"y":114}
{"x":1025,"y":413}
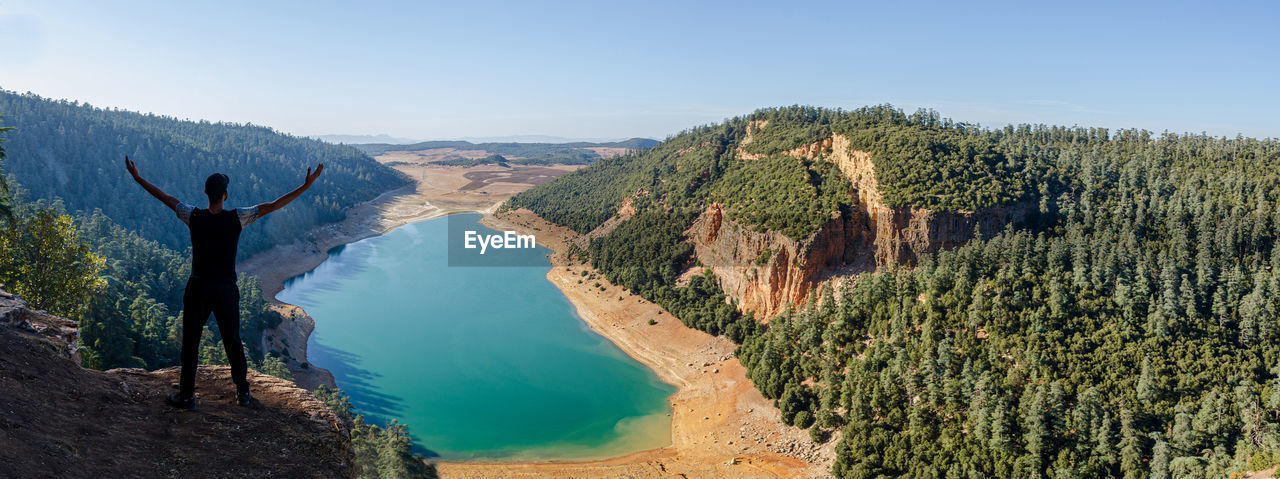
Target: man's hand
{"x":270,"y":206}
{"x":311,"y":177}
{"x":133,"y":169}
{"x":169,"y":201}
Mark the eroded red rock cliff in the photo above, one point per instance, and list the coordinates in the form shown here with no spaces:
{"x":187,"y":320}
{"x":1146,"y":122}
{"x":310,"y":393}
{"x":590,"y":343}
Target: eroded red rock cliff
{"x":766,"y":271}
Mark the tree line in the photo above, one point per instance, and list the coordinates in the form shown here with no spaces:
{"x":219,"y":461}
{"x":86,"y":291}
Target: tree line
{"x":74,"y":152}
{"x":920,"y":161}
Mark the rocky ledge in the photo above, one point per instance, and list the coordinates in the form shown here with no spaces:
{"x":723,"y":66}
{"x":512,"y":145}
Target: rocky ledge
{"x":60,"y":420}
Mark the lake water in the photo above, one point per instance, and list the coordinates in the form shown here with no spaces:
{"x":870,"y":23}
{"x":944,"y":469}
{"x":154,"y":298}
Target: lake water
{"x":482,"y":363}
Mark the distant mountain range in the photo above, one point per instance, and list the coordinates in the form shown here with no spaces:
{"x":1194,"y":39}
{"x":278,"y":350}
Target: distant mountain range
{"x":357,"y":139}
{"x":537,"y":139}
{"x":384,"y":138}
{"x":579,"y":153}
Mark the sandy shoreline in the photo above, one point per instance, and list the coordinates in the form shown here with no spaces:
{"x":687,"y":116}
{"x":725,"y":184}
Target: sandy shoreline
{"x":721,"y":426}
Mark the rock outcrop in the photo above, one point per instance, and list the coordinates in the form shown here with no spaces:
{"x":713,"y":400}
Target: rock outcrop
{"x":902,"y":234}
{"x":752,"y":128}
{"x":290,"y":338}
{"x":765,"y":271}
{"x":61,"y":332}
{"x":60,"y":420}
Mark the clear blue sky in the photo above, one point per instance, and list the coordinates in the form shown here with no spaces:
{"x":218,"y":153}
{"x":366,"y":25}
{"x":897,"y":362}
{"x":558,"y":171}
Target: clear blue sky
{"x":611,"y":69}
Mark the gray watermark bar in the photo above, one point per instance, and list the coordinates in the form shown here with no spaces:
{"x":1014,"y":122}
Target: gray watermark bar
{"x":472,"y":244}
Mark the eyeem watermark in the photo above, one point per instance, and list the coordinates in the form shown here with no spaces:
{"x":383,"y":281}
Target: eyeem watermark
{"x":508,"y":239}
{"x":471,"y":243}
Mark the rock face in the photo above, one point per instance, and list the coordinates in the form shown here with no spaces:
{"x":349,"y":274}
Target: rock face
{"x":902,"y":234}
{"x":58,"y":331}
{"x":764,"y":272}
{"x":290,"y":339}
{"x":60,"y":420}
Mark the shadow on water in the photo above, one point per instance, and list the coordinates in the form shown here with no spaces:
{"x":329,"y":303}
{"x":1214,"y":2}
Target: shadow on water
{"x":356,"y":382}
{"x":377,"y":408}
{"x":417,"y":449}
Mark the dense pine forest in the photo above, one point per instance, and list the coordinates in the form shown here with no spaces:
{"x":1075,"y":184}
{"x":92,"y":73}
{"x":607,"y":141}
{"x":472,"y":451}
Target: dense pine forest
{"x":75,"y":152}
{"x":121,"y":253}
{"x":1127,"y":329}
{"x":920,"y":160}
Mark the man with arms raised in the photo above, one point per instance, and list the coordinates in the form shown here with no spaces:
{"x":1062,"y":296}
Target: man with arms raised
{"x":215,"y":236}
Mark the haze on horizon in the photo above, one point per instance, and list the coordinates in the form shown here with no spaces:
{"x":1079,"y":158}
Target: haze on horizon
{"x":587,"y":70}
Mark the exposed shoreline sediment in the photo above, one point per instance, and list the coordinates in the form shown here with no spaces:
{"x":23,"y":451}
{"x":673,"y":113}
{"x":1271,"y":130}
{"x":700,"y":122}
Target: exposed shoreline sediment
{"x":721,"y":425}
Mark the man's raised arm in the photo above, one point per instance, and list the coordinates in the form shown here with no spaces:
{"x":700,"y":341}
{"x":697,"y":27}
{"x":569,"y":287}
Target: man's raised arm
{"x":165,"y":198}
{"x":270,"y":206}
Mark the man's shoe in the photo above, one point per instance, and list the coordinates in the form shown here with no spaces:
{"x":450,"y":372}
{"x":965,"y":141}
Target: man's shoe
{"x":244,"y":398}
{"x":181,"y":403}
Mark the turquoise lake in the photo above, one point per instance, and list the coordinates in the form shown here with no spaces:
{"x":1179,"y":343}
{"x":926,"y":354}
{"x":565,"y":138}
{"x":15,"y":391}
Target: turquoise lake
{"x":481,"y":362}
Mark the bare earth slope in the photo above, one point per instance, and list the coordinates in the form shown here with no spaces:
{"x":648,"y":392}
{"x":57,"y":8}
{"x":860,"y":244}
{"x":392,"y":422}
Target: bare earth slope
{"x":59,"y":420}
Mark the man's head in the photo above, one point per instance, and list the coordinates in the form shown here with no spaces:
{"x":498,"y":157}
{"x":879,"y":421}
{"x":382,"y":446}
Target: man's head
{"x":216,"y":187}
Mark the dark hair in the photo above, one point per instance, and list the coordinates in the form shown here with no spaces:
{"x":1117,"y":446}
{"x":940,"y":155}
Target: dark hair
{"x":216,"y":186}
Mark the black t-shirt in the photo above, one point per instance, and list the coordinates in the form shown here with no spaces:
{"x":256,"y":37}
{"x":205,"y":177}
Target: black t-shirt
{"x":214,"y":240}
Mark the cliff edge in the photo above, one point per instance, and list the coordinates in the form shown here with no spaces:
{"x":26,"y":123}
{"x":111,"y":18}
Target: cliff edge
{"x":764,"y":272}
{"x":60,"y":420}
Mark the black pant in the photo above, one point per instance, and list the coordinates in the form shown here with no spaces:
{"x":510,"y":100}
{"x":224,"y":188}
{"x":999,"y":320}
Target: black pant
{"x":223,"y":300}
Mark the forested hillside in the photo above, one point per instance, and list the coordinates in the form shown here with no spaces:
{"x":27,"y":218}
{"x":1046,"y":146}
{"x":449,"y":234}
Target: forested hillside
{"x":73,"y":151}
{"x":920,"y":160}
{"x":125,"y":291}
{"x":1131,"y":330}
{"x":118,"y":252}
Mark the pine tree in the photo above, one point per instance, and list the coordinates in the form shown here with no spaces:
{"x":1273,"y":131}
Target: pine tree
{"x":1146,"y":382}
{"x":1159,"y":458}
{"x":1130,"y":447}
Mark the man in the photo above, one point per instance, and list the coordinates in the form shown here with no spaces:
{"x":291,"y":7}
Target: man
{"x":215,"y":234}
